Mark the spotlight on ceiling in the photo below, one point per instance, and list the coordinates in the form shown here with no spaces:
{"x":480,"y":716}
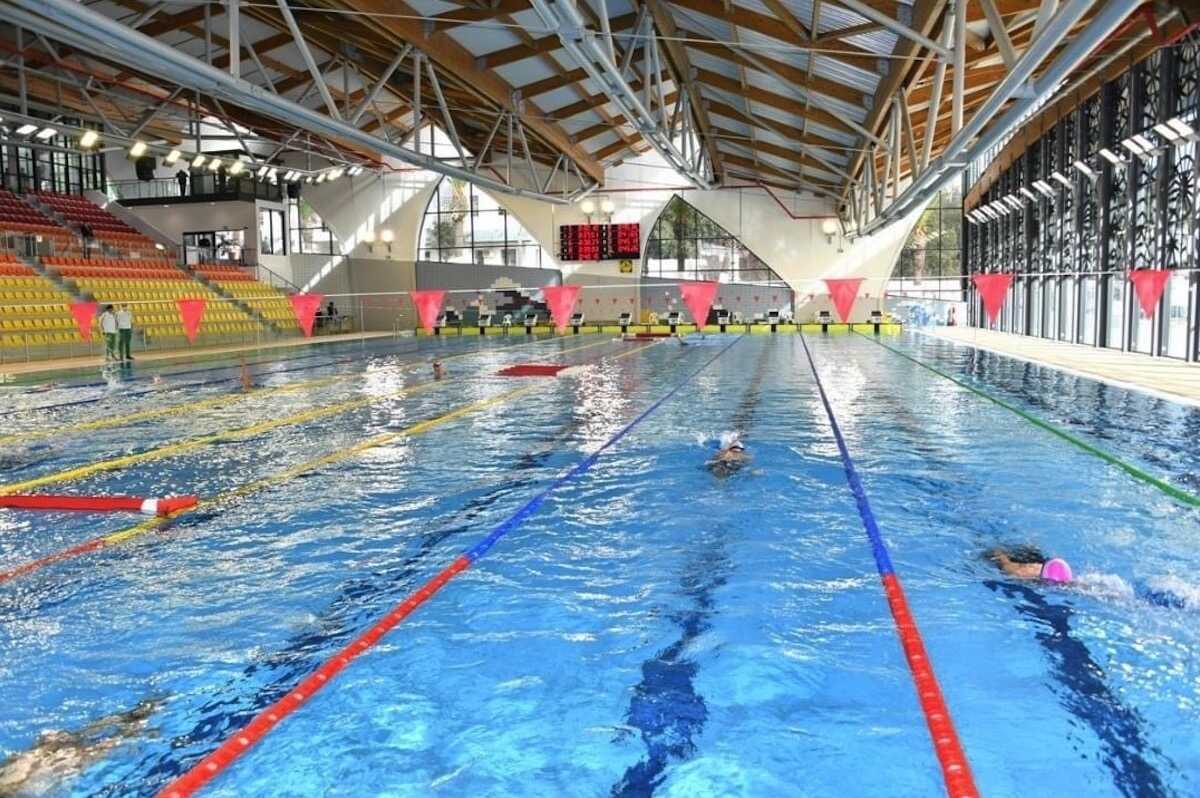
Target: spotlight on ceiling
{"x":173,"y":156}
{"x":89,"y":139}
{"x":1087,"y":171}
{"x":198,"y":161}
{"x":46,"y":133}
{"x":236,"y":167}
{"x":26,"y":129}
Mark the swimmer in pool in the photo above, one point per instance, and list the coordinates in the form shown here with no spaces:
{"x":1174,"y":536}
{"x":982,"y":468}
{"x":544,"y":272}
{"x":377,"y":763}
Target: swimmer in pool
{"x":1026,"y":562}
{"x":247,"y":380}
{"x":1030,"y":564}
{"x":438,"y":370}
{"x":730,"y":458}
{"x":59,"y":756}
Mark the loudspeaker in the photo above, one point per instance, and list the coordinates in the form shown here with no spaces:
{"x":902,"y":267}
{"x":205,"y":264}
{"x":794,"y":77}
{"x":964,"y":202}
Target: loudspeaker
{"x":293,"y":190}
{"x":144,"y":167}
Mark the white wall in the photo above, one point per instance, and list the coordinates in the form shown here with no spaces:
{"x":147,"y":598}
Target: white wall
{"x":177,"y":218}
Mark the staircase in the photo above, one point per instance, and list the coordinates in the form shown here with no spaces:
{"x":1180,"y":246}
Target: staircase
{"x":237,"y":303}
{"x":53,"y":277}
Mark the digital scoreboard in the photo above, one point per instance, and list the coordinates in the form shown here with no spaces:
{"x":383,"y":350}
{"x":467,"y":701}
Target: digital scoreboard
{"x":599,"y":241}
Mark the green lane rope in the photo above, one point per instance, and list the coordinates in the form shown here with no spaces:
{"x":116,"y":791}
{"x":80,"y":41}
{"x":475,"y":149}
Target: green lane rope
{"x":1178,"y":494}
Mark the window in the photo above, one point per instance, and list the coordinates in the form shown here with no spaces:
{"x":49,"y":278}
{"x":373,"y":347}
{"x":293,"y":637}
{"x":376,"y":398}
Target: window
{"x":932,"y":254}
{"x":686,"y":244}
{"x":308,"y":233}
{"x":225,"y":247}
{"x":465,"y":225}
{"x":25,"y":169}
{"x":271,"y":233}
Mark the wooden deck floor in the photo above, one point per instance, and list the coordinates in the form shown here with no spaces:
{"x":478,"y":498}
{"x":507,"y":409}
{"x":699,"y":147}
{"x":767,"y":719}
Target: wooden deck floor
{"x":1160,"y":376}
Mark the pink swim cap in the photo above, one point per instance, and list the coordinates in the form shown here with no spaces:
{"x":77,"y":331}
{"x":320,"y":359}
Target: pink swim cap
{"x":1056,"y":570}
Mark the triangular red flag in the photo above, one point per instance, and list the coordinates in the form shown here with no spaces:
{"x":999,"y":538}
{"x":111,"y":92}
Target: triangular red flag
{"x":561,"y":299}
{"x":429,"y":305}
{"x":698,"y":296}
{"x":1149,"y":285}
{"x":305,"y":307}
{"x":992,"y":288}
{"x":843,"y":293}
{"x":84,"y":313}
{"x":191,"y":311}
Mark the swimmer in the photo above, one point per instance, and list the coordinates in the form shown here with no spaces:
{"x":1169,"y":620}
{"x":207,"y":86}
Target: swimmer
{"x":1028,"y":563}
{"x":157,"y":382}
{"x":438,"y":370}
{"x":730,"y":457}
{"x":59,"y":756}
{"x":247,"y":380}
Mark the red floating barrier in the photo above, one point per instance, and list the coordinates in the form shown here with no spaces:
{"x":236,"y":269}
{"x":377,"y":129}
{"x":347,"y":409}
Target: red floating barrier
{"x":100,"y":504}
{"x":531,"y":370}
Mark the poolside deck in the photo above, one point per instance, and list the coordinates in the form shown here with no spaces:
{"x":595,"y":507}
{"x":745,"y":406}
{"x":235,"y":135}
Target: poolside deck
{"x":1171,"y":379}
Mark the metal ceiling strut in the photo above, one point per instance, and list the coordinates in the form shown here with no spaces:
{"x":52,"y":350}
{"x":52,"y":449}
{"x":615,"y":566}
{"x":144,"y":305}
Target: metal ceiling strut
{"x":594,"y":57}
{"x":1018,"y":84}
{"x":89,"y":31}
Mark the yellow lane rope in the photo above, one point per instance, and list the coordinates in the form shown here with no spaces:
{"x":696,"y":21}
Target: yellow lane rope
{"x":173,"y":410}
{"x":153,"y":524}
{"x":192,"y":444}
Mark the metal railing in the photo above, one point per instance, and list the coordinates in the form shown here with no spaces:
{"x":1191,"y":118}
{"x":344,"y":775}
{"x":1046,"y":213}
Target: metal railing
{"x":205,"y":186}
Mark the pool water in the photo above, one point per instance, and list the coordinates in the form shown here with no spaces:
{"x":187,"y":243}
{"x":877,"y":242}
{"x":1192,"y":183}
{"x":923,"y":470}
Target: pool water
{"x":650,"y":629}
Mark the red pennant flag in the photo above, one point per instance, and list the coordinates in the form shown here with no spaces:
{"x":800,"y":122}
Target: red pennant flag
{"x":305,"y":307}
{"x":561,"y":298}
{"x":191,"y":311}
{"x":429,"y":305}
{"x":698,"y":297}
{"x":1149,"y":285}
{"x":992,"y":288}
{"x":843,"y":293}
{"x":84,"y":312}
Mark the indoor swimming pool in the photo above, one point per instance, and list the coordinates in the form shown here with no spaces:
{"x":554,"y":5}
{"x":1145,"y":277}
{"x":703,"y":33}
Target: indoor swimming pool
{"x":629,"y":624}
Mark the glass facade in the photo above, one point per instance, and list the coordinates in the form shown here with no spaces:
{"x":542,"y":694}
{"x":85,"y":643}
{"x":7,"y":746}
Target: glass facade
{"x":685,"y":244}
{"x":308,"y":232}
{"x":65,"y":170}
{"x":464,"y":225}
{"x":1091,"y":210}
{"x":930,"y":264}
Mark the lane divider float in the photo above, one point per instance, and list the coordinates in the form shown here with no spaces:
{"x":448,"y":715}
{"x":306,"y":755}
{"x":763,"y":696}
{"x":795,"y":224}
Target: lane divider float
{"x":100,"y":504}
{"x":243,"y":739}
{"x":155,"y":524}
{"x":171,"y":410}
{"x":1179,"y":494}
{"x":956,"y":772}
{"x":192,"y":444}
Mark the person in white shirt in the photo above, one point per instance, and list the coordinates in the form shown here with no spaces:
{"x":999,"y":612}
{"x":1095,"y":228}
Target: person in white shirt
{"x":125,"y":331}
{"x":108,"y":326}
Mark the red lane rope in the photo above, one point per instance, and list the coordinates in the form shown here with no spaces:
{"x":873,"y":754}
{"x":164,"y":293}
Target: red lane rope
{"x":233,"y":747}
{"x":99,"y":504}
{"x":956,"y":773}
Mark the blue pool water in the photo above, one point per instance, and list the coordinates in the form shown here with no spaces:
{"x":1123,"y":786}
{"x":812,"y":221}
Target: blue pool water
{"x":650,"y":630}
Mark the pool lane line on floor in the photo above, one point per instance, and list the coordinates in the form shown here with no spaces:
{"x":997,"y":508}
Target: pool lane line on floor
{"x":159,"y":522}
{"x":196,"y":777}
{"x":202,"y":383}
{"x":1179,"y":494}
{"x":956,"y":771}
{"x":170,"y":410}
{"x":192,"y":444}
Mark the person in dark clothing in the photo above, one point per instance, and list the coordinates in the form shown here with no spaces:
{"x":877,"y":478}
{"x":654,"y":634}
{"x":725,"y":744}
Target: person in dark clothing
{"x":181,"y":177}
{"x":87,"y":234}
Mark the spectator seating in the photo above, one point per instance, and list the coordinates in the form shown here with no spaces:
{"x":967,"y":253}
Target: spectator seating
{"x":18,"y":219}
{"x":152,"y":287}
{"x":79,"y":210}
{"x":33,"y":311}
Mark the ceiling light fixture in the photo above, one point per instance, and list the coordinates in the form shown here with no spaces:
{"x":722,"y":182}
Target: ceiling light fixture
{"x":26,"y":129}
{"x":198,"y":161}
{"x":173,"y":156}
{"x":46,"y":133}
{"x":1087,"y":171}
{"x":1061,"y":178}
{"x":89,"y":139}
{"x":1111,"y":157}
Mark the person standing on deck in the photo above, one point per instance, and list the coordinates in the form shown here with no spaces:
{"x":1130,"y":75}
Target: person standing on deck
{"x":125,"y":331}
{"x":108,"y":326}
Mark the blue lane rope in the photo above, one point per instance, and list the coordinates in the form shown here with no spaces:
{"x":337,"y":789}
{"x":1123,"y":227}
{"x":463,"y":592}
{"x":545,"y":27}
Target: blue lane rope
{"x":883,"y":560}
{"x":481,"y":548}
